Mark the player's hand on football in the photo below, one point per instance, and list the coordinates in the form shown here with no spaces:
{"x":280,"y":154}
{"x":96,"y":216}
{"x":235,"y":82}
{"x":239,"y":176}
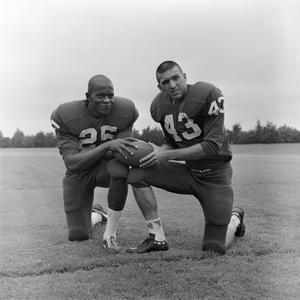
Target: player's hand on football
{"x":122,"y":146}
{"x":154,"y":157}
{"x":155,"y":147}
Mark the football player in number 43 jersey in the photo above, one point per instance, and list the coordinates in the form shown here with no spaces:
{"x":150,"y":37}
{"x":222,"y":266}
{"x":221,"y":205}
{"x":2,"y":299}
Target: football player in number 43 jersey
{"x":88,"y":132}
{"x":195,"y":158}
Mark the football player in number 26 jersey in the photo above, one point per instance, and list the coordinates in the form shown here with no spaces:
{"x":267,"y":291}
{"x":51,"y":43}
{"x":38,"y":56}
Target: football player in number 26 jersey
{"x":88,"y":132}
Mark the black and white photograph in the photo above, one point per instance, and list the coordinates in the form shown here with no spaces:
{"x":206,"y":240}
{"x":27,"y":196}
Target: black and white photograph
{"x":149,"y":149}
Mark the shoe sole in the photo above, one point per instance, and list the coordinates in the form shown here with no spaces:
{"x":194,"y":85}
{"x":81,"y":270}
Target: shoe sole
{"x":112,"y":250}
{"x":136,"y":250}
{"x":241,"y":228}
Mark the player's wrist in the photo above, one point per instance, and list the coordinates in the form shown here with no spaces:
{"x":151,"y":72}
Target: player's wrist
{"x":166,"y":147}
{"x":108,"y":146}
{"x":171,"y":154}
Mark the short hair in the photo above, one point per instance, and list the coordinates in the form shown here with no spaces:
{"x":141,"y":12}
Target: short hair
{"x":165,"y":66}
{"x":96,"y":80}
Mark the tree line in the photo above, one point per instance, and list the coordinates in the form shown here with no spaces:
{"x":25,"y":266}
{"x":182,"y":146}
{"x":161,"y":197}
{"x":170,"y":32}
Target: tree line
{"x":268,"y":133}
{"x":20,"y":140}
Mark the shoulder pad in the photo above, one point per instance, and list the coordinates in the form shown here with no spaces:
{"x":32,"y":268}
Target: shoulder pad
{"x":124,"y":112}
{"x":159,"y":107}
{"x":197,"y":97}
{"x":66,"y":112}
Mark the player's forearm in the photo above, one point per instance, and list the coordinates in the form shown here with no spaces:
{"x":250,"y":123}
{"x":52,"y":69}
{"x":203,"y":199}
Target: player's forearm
{"x":86,"y":159}
{"x":194,"y":152}
{"x":166,"y":147}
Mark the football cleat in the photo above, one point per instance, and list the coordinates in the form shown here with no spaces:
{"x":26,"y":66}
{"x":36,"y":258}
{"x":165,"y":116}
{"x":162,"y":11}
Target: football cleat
{"x":240,"y":231}
{"x":99,"y":209}
{"x":149,"y":245}
{"x":111,"y":245}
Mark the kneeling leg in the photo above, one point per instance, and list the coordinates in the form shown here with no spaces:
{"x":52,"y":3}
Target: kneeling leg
{"x":217,"y":207}
{"x":78,"y":201}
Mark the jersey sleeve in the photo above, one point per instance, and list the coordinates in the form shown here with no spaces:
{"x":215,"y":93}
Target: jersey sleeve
{"x":213,"y":125}
{"x":156,"y":108}
{"x":135,"y":115}
{"x":66,"y":142}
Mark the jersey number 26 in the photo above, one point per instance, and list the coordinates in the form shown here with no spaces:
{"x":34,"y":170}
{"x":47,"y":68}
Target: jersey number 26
{"x":89,"y":136}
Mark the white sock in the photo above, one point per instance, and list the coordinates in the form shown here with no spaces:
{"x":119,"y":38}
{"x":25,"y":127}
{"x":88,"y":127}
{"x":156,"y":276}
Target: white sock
{"x":155,"y":227}
{"x":113,"y":218}
{"x":235,"y":220}
{"x":96,"y":218}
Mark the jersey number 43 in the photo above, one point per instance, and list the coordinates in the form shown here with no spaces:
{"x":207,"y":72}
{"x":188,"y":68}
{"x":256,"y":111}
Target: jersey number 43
{"x":192,"y":129}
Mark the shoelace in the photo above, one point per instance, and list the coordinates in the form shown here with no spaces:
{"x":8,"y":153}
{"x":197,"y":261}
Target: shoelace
{"x":114,"y":242}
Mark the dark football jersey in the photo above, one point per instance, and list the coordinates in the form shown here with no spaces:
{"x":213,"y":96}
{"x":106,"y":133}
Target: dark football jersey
{"x":76,"y":129}
{"x":199,"y":118}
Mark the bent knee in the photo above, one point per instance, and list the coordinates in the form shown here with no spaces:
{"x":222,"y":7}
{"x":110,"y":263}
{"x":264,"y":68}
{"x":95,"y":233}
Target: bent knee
{"x":137,"y":178}
{"x":117,"y":169}
{"x":79,"y":224}
{"x":214,"y":238}
{"x":214,"y":246}
{"x":78,"y":234}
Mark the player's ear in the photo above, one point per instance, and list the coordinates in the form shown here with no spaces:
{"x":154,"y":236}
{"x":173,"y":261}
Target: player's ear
{"x":184,"y":75}
{"x":159,"y":87}
{"x":87,"y":95}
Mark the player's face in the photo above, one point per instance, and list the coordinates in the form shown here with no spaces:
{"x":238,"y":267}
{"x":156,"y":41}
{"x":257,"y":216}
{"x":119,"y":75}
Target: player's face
{"x":173,"y":83}
{"x":101,"y":100}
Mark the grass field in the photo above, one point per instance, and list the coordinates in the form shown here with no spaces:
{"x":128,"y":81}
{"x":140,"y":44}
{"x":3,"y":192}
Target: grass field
{"x":37,"y":261}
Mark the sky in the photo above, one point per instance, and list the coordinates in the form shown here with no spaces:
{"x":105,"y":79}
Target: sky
{"x":49,"y":49}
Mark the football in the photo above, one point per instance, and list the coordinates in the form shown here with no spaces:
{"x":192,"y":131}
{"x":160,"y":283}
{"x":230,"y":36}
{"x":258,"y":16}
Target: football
{"x":143,"y":148}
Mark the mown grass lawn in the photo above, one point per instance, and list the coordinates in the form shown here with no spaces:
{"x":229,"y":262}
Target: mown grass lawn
{"x":37,"y":261}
